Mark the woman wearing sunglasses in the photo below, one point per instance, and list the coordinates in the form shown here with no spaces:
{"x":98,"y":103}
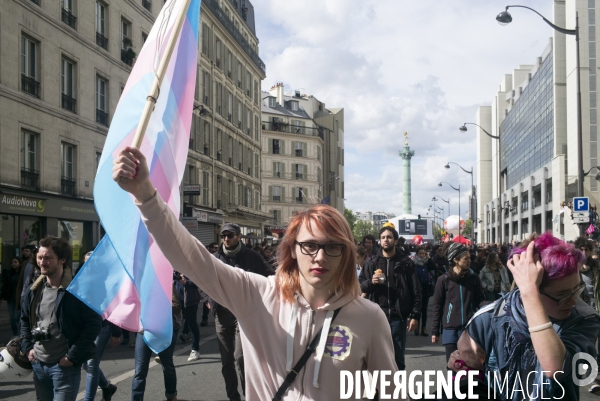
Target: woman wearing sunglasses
{"x":530,"y":336}
{"x":314,"y":297}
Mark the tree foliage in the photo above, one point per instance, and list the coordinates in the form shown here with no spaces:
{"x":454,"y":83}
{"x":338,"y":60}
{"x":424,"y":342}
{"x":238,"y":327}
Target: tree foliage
{"x":362,"y":228}
{"x":350,"y":218}
{"x":468,"y":231}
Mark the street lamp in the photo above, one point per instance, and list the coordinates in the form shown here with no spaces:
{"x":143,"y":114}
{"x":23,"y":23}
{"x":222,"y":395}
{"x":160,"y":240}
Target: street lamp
{"x":585,"y":174}
{"x":472,"y":196}
{"x":436,"y":198}
{"x":463,"y":128}
{"x":456,"y":189}
{"x":505,"y":18}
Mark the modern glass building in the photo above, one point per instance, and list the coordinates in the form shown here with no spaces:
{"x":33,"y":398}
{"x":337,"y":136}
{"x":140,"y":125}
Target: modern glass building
{"x":527,"y":132}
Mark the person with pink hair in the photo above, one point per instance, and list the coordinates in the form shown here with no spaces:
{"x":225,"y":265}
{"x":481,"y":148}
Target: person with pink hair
{"x":528,"y":339}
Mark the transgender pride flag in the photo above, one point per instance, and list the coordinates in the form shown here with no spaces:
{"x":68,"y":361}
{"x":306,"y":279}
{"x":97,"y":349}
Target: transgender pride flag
{"x":128,"y":280}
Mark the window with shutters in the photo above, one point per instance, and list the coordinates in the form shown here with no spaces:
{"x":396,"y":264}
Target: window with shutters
{"x":205,"y":39}
{"x":29,"y":66}
{"x":276,"y":149}
{"x":256,"y":100}
{"x":205,"y":188}
{"x":229,"y":64}
{"x":229,"y":107}
{"x":218,"y":144}
{"x":276,"y":193}
{"x":239,"y":75}
{"x":67,"y":83}
{"x":249,"y":122}
{"x":277,"y":169}
{"x":299,"y":171}
{"x":276,"y":217}
{"x":218,"y":52}
{"x":240,"y":156}
{"x":248,"y":84}
{"x":256,"y":128}
{"x":256,"y":165}
{"x":299,"y":195}
{"x":206,"y":139}
{"x":206,"y":87}
{"x":68,"y":181}
{"x":101,"y":100}
{"x":30,"y":160}
{"x":239,"y":114}
{"x":248,"y":197}
{"x":299,"y":149}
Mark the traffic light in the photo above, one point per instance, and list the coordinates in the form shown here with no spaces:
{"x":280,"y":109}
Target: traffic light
{"x":419,"y":216}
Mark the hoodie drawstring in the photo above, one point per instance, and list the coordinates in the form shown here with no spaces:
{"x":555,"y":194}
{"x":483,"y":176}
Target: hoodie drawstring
{"x":321,"y":347}
{"x":290,"y":336}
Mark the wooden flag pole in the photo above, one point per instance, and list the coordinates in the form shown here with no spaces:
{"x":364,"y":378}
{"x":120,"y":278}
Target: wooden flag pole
{"x":158,"y":78}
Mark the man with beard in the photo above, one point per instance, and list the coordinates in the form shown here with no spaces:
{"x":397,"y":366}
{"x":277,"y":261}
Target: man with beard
{"x":368,"y":242}
{"x":234,"y":253}
{"x":64,"y":328}
{"x":390,"y":280}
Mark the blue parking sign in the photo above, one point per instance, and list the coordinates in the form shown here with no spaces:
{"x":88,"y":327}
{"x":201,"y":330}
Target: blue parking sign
{"x":581,"y":204}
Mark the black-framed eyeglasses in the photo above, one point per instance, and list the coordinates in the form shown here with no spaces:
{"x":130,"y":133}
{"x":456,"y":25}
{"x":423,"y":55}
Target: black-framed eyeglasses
{"x":230,"y":235}
{"x":561,"y":301}
{"x":312,"y":248}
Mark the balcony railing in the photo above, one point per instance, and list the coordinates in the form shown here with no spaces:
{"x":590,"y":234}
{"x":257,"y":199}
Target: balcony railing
{"x":291,"y":129}
{"x":218,"y":12}
{"x":127,"y":57}
{"x":69,"y":103}
{"x":68,"y":18}
{"x":147,"y":5}
{"x":30,"y":85}
{"x":30,"y":178}
{"x":101,"y":41}
{"x":102,"y":117}
{"x":67,"y":186}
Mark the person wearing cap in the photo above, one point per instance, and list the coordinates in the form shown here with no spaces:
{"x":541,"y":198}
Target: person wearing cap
{"x":458,"y":294}
{"x":389,"y":279}
{"x":236,"y":254}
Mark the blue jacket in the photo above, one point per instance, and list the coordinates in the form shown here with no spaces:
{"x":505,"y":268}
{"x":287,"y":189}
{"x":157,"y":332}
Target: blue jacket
{"x":489,"y":328}
{"x":80,"y":324}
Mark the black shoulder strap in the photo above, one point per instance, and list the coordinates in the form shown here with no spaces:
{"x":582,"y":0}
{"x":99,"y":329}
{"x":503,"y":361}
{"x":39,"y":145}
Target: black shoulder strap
{"x":289,"y":379}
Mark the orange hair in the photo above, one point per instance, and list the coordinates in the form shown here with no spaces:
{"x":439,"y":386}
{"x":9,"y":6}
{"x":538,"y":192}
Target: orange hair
{"x":331,"y":222}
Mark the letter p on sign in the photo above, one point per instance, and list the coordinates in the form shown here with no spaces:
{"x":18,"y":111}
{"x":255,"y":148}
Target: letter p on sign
{"x":581,"y":204}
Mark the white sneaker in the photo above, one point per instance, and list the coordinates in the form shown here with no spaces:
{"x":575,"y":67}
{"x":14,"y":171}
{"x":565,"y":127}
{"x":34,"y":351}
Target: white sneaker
{"x":157,"y":359}
{"x":194,"y":356}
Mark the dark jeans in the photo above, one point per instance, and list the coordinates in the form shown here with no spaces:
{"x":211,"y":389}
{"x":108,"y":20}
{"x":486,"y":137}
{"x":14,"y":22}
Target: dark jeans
{"x":230,"y":347}
{"x":190,"y":314}
{"x":143,"y":353}
{"x":56,"y":383}
{"x":14,"y":316}
{"x":95,"y":376}
{"x":399,"y":329}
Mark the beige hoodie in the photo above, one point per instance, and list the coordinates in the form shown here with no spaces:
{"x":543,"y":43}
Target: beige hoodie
{"x":275,"y":333}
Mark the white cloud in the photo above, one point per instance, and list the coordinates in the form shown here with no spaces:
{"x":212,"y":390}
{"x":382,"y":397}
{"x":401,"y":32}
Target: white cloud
{"x":397,"y":66}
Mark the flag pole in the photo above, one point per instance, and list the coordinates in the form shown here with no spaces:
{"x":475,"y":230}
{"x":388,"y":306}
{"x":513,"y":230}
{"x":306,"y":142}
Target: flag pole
{"x":158,"y":78}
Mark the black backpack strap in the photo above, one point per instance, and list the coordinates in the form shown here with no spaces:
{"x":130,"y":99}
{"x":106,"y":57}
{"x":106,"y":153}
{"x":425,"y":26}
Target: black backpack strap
{"x":289,"y":379}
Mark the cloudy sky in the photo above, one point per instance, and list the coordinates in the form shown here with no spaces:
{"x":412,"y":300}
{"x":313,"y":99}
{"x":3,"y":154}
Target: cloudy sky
{"x":396,"y":65}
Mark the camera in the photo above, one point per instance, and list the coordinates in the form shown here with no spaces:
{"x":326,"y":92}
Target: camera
{"x":40,"y":334}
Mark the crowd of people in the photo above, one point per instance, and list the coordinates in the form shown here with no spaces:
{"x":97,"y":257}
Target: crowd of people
{"x":499,"y":309}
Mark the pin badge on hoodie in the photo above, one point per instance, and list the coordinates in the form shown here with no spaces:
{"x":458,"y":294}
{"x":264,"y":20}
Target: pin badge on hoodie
{"x":339,"y":342}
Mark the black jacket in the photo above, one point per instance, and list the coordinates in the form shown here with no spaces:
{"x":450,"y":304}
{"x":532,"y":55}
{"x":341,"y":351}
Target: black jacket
{"x":10,"y":281}
{"x":455,"y":300}
{"x":246,"y":259}
{"x":80,"y":324}
{"x":400,"y":294}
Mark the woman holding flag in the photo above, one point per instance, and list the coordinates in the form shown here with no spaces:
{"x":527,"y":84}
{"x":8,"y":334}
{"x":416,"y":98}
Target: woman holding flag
{"x":313,"y":299}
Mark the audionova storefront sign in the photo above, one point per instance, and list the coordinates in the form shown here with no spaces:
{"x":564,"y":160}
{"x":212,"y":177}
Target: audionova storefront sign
{"x":49,"y":207}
